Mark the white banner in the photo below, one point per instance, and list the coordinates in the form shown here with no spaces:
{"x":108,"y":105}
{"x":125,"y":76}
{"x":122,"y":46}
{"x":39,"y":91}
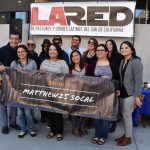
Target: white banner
{"x":113,"y":19}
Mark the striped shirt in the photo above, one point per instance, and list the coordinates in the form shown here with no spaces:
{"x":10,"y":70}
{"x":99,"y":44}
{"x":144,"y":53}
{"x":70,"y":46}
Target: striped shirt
{"x":60,"y":66}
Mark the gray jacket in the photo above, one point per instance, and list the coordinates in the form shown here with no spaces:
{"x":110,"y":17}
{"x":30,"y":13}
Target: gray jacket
{"x":133,"y":77}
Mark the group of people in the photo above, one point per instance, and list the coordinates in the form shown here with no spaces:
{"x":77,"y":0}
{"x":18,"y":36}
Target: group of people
{"x":99,"y":60}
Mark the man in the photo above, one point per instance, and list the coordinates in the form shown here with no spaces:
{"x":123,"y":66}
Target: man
{"x":31,"y":45}
{"x":7,"y":55}
{"x":75,"y":43}
{"x":58,"y":40}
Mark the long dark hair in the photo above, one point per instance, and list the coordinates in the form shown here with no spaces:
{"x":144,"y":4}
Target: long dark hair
{"x":59,"y":50}
{"x":132,"y":49}
{"x":23,"y":47}
{"x":72,"y":66}
{"x":114,"y":48}
{"x":26,"y":49}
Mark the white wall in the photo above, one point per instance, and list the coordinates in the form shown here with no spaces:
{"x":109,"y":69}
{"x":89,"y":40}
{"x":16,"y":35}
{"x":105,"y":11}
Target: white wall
{"x":141,"y":42}
{"x":4,"y":34}
{"x":142,"y":46}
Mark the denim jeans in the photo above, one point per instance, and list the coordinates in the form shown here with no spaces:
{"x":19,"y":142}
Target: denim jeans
{"x":78,"y":121}
{"x":101,"y":128}
{"x":26,"y":121}
{"x":8,"y":115}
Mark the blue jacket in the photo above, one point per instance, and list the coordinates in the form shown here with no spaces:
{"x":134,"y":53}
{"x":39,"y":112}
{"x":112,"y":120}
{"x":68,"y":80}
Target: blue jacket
{"x":7,"y":55}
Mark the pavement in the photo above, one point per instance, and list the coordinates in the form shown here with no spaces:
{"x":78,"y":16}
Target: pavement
{"x":140,"y":141}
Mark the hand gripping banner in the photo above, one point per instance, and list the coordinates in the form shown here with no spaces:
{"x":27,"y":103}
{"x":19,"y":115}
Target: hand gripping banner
{"x":62,"y":93}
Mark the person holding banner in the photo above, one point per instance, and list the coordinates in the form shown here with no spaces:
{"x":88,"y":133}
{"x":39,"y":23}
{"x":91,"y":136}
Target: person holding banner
{"x":25,"y":115}
{"x":105,"y":69}
{"x":131,"y":73}
{"x":89,"y":57}
{"x":113,"y":55}
{"x":78,"y":67}
{"x":7,"y":55}
{"x":57,"y":65}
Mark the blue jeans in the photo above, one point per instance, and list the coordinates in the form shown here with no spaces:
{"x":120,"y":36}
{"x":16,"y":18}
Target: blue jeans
{"x":78,"y":121}
{"x":26,"y":121}
{"x":101,"y":128}
{"x":8,"y":117}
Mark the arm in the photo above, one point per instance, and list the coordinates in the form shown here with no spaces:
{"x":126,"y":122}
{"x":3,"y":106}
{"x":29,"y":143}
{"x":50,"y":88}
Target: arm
{"x":65,"y":67}
{"x":42,"y":66}
{"x":34,"y":65}
{"x":13,"y":65}
{"x":137,"y":68}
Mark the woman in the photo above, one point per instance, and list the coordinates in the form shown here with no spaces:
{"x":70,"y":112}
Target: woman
{"x":89,"y":56}
{"x":56,"y":65}
{"x":78,"y":68}
{"x":105,"y":69}
{"x":44,"y":55}
{"x":131,"y":72}
{"x":26,"y":121}
{"x":113,"y":55}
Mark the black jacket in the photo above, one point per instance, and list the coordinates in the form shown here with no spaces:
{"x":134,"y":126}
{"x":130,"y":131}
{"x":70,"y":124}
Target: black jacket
{"x":7,"y":55}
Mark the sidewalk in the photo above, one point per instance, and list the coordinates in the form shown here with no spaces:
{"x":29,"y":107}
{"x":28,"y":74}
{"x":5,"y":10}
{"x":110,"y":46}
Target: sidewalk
{"x":141,"y":140}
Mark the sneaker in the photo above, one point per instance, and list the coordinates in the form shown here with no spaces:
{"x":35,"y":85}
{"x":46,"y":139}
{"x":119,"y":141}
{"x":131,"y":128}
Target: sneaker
{"x":21,"y":134}
{"x":15,"y":126}
{"x":5,"y":130}
{"x":33,"y":133}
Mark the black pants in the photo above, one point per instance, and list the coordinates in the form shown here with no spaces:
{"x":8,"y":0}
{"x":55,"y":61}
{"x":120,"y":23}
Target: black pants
{"x":55,"y":122}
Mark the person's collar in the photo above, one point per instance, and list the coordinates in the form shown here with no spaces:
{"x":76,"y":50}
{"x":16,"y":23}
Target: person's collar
{"x":74,"y":48}
{"x":11,"y":47}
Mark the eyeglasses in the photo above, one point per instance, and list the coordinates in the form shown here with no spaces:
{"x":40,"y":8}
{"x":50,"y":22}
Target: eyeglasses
{"x":30,"y":44}
{"x":90,"y":42}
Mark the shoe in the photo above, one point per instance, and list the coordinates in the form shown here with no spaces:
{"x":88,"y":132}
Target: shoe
{"x":15,"y":126}
{"x":21,"y":134}
{"x":94,"y":140}
{"x":83,"y":130}
{"x":33,"y":133}
{"x":120,"y":139}
{"x":101,"y":141}
{"x":124,"y":142}
{"x":59,"y":137}
{"x":112,"y":128}
{"x":50,"y":135}
{"x":76,"y":132}
{"x":5,"y":130}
